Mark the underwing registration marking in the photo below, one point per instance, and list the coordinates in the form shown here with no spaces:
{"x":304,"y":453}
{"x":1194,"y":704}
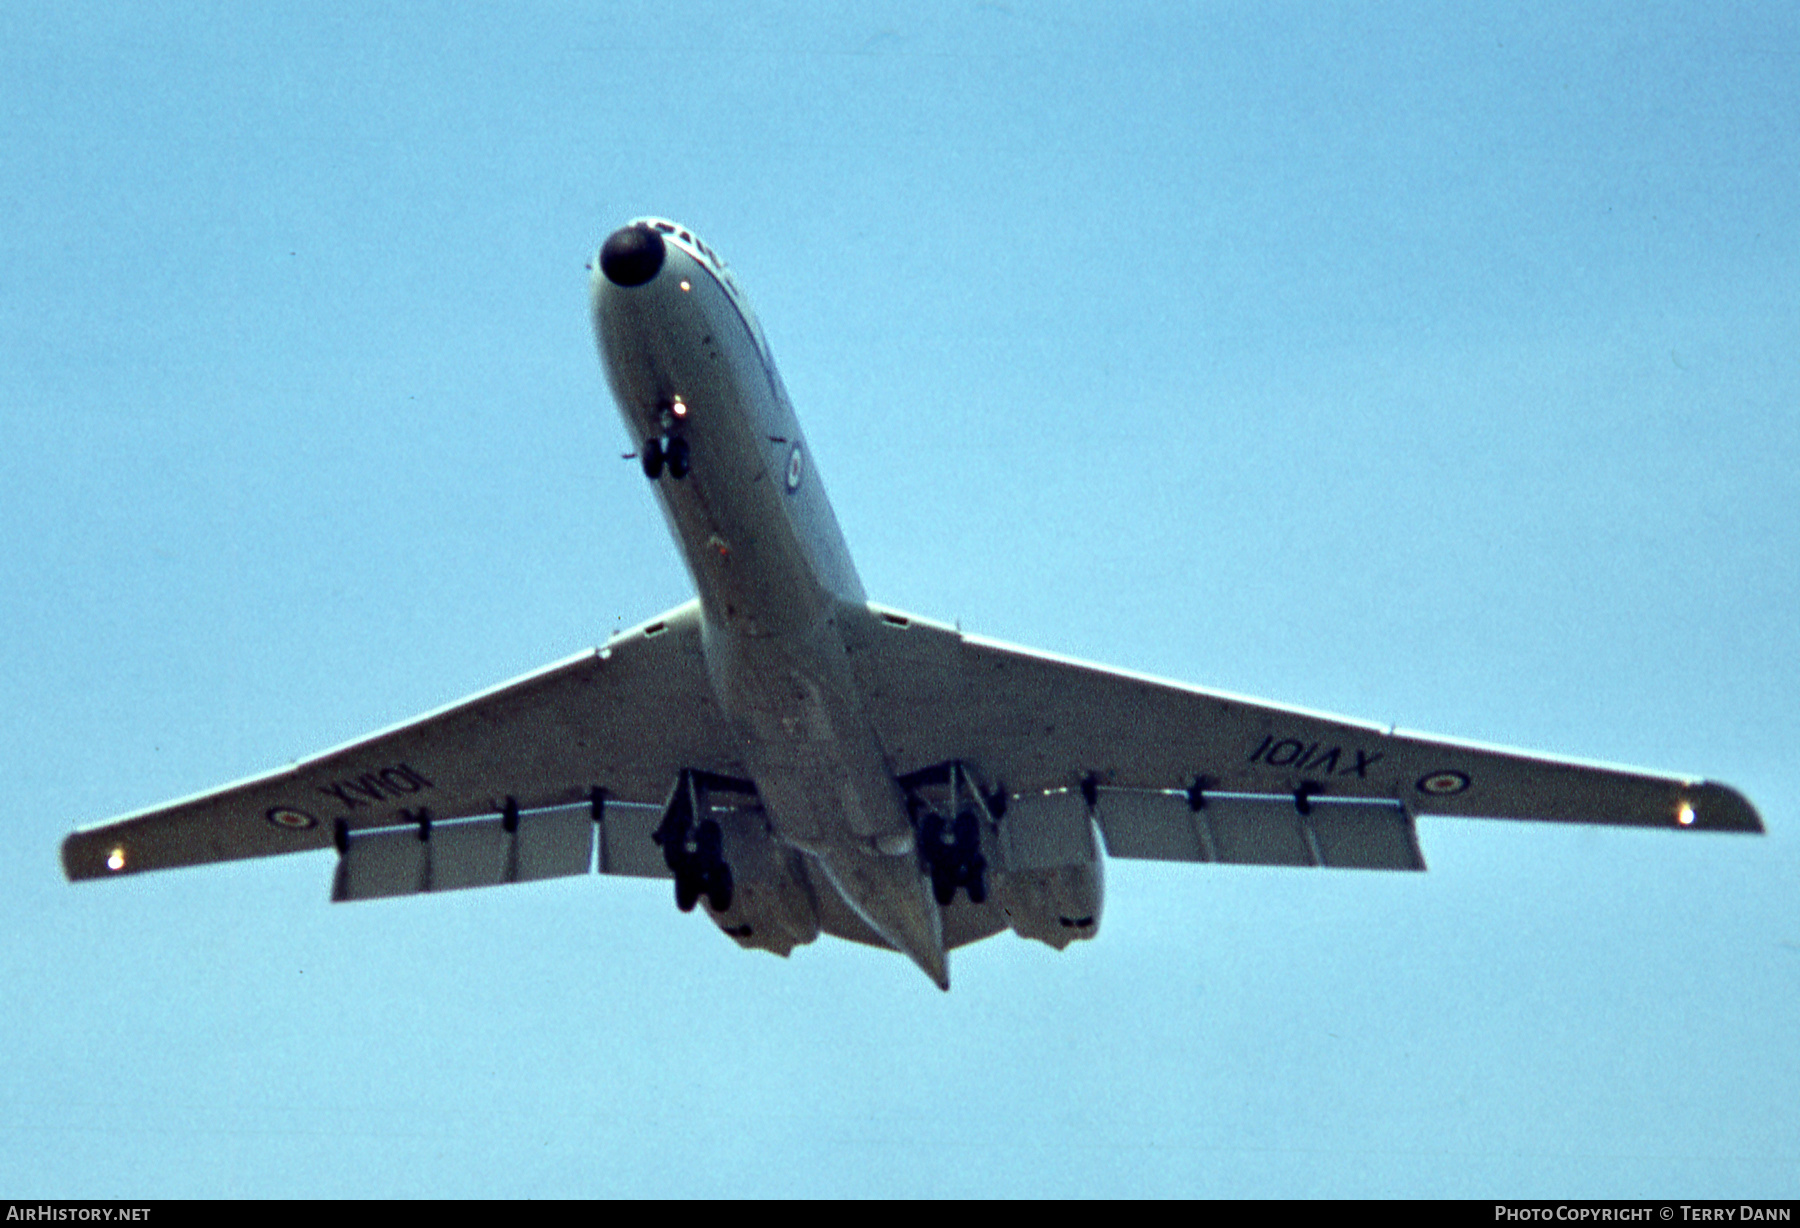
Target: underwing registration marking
{"x":1314,"y":757}
{"x":380,"y":785}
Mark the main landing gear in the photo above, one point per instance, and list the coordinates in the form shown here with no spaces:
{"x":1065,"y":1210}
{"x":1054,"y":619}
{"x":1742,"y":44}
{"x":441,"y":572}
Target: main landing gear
{"x":667,"y":452}
{"x":950,"y":848}
{"x":952,"y":853}
{"x":694,"y":851}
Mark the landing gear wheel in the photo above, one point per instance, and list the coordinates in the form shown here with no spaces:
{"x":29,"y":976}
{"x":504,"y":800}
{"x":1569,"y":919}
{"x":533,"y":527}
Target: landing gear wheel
{"x":977,"y":882}
{"x":943,"y":886}
{"x":652,"y":457}
{"x":687,"y":892}
{"x":677,"y":453}
{"x":709,"y":843}
{"x":719,"y":893}
{"x":952,"y":854}
{"x":965,"y":831}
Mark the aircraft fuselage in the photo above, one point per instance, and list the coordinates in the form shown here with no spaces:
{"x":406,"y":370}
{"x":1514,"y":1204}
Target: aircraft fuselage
{"x":700,"y":397}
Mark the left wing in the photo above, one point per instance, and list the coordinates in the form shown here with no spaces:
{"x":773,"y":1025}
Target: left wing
{"x":1032,"y":722}
{"x":624,"y":719}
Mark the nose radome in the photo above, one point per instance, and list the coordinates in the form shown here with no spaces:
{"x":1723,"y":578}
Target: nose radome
{"x":632,"y":256}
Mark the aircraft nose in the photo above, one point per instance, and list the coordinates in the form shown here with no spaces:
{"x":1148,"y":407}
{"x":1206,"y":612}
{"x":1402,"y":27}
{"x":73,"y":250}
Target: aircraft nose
{"x":632,"y":255}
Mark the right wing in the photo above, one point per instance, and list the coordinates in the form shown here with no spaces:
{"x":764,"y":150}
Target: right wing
{"x":624,"y":719}
{"x":1180,"y":773}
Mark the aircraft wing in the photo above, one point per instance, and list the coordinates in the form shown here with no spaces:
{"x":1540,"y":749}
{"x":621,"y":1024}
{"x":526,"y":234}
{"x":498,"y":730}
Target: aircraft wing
{"x":1170,"y":771}
{"x":624,"y":719}
{"x":1189,"y":774}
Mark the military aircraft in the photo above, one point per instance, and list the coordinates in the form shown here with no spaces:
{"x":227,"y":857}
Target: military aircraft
{"x":800,"y":759}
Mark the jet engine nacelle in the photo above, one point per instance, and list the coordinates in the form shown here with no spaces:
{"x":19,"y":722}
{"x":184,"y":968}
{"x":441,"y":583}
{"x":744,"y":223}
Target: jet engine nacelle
{"x":1052,"y":887}
{"x":772,"y":904}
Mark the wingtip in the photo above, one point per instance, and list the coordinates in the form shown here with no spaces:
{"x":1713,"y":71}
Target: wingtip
{"x":1723,"y":808}
{"x":80,"y":859}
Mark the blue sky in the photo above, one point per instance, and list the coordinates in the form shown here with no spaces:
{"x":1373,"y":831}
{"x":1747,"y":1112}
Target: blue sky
{"x":1431,"y":368}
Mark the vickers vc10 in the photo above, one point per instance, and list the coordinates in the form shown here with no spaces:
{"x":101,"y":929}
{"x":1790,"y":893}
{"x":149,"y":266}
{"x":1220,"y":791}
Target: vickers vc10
{"x":802,"y":760}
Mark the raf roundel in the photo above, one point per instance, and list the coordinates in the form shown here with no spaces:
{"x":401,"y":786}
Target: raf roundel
{"x":795,"y":467}
{"x":293,"y":820}
{"x":1443,"y":784}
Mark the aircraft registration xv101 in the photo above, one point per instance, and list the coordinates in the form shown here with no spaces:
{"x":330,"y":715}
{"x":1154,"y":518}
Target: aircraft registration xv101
{"x":801,"y":760}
